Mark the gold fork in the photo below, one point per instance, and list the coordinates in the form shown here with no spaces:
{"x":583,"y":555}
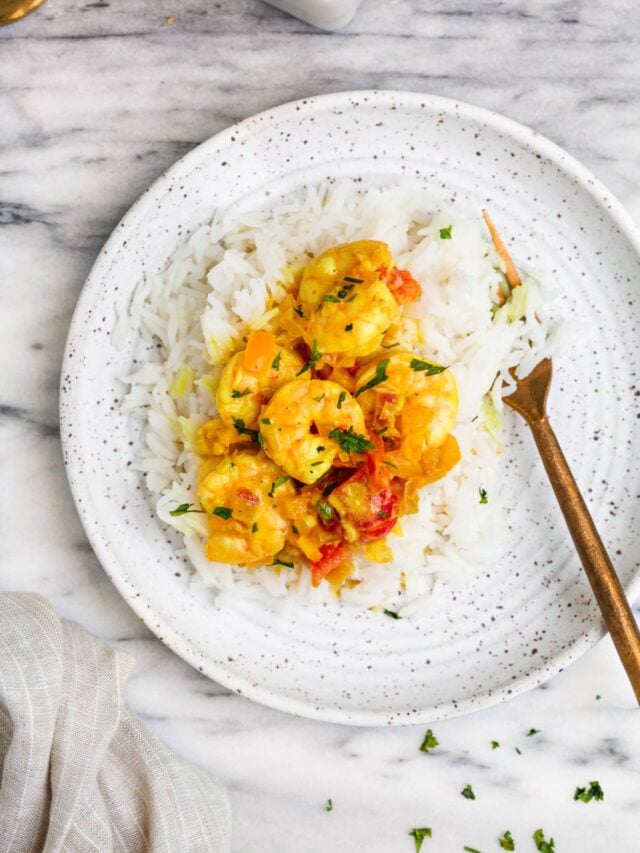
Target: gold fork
{"x":529,"y":400}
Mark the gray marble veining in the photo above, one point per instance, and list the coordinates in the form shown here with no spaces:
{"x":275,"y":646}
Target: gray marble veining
{"x":96,"y":100}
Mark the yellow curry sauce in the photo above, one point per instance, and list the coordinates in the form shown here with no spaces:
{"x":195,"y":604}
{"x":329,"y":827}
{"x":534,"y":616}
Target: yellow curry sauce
{"x":327,"y":423}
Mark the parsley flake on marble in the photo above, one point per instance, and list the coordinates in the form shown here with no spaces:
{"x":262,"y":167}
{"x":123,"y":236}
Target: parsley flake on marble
{"x":543,"y":845}
{"x":592,"y":792}
{"x":430,"y":741}
{"x":419,"y":834}
{"x":507,"y":842}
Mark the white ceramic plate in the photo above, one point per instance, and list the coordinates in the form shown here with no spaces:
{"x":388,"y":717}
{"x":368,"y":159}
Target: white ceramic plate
{"x":516,"y":624}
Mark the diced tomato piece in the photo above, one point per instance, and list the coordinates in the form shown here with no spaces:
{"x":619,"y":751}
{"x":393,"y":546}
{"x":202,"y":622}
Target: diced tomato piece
{"x":384,"y":509}
{"x":333,"y":554}
{"x":353,"y":370}
{"x":303,"y":350}
{"x":403,"y":286}
{"x":323,"y":372}
{"x":370,"y":510}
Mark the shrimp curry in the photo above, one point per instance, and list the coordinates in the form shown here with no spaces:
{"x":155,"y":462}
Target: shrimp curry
{"x":327,"y":423}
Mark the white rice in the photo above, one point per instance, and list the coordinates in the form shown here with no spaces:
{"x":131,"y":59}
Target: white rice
{"x":217,"y":285}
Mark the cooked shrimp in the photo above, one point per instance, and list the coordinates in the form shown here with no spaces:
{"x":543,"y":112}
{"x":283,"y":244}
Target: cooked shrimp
{"x":241,"y":492}
{"x":354,"y":326}
{"x":354,"y":260}
{"x":346,"y":300}
{"x":415,"y":400}
{"x":242,"y":392}
{"x":308,"y":424}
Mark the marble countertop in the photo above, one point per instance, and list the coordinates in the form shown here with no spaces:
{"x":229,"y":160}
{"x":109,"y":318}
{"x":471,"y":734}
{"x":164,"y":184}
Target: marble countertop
{"x":94,"y":104}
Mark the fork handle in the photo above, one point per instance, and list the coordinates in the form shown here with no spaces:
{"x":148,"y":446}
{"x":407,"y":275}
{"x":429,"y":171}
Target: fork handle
{"x":604,"y":581}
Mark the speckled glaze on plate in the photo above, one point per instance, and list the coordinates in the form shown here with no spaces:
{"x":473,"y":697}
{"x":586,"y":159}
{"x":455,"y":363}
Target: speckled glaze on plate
{"x":521,"y":620}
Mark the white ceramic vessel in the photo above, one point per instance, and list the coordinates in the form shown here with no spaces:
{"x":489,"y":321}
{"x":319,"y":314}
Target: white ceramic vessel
{"x":522,"y":619}
{"x":326,"y":14}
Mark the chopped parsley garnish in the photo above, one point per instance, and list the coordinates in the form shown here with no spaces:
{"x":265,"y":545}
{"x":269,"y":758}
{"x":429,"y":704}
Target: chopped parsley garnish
{"x":391,"y":346}
{"x":329,"y":805}
{"x":348,"y":327}
{"x":445,"y":233}
{"x":325,"y":510}
{"x":390,"y":464}
{"x":598,"y":697}
{"x":353,"y":280}
{"x":222,"y":511}
{"x":315,"y":356}
{"x":518,"y":750}
{"x":279,"y":481}
{"x":236,"y":394}
{"x":254,"y":527}
{"x":298,"y":310}
{"x":495,"y":744}
{"x":381,"y":431}
{"x":266,"y":421}
{"x":350,"y":441}
{"x":182,"y":509}
{"x":295,"y":529}
{"x":533,"y":732}
{"x":593,"y":792}
{"x":241,"y":429}
{"x":484,"y":497}
{"x":261,"y":441}
{"x":320,"y":448}
{"x":330,"y":298}
{"x":430,"y":741}
{"x":543,"y":845}
{"x":275,"y":364}
{"x":318,"y":399}
{"x":467,"y":792}
{"x":419,"y":836}
{"x":319,"y":462}
{"x":381,"y":514}
{"x":341,"y":398}
{"x":392,"y":614}
{"x":507,"y":842}
{"x":427,"y":367}
{"x":278,"y":562}
{"x":379,"y":376}
{"x":471,"y":849}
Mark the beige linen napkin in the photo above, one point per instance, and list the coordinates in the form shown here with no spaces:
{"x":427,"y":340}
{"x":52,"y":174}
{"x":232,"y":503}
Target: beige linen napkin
{"x":77,"y":771}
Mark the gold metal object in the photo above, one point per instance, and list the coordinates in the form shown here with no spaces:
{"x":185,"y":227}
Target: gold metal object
{"x":14,"y":10}
{"x":529,"y":400}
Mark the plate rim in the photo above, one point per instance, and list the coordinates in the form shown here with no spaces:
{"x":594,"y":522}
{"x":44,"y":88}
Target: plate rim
{"x":161,"y":627}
